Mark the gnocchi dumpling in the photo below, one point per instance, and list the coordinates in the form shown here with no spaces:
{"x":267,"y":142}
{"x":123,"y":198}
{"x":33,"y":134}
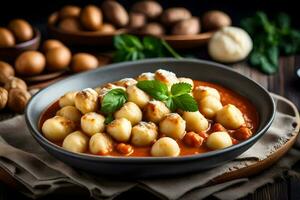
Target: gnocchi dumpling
{"x":230,"y":117}
{"x":92,"y":123}
{"x":76,"y":142}
{"x":57,"y":128}
{"x":70,"y":112}
{"x":137,"y":96}
{"x":126,"y":82}
{"x":186,"y":80}
{"x":218,"y":140}
{"x":67,"y":100}
{"x":173,"y":126}
{"x":86,"y":100}
{"x":195,"y":121}
{"x":147,"y":76}
{"x":154,"y":111}
{"x":202,"y":91}
{"x":100,"y":144}
{"x":209,"y":106}
{"x":131,"y":112}
{"x":120,"y":129}
{"x":164,"y":76}
{"x":165,"y":147}
{"x":143,"y":134}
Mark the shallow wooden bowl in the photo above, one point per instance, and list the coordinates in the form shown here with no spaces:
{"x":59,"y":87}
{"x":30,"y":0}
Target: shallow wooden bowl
{"x":11,"y":53}
{"x":87,"y":38}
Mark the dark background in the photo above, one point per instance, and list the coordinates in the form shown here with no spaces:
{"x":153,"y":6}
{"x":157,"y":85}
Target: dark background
{"x":37,"y":12}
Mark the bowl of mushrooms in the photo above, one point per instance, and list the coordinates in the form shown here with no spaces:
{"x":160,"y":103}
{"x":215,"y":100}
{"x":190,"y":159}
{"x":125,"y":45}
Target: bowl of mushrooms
{"x":156,"y":117}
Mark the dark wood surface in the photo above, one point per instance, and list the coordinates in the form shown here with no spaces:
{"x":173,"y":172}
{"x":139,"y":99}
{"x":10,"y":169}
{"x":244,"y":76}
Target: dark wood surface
{"x":284,"y":83}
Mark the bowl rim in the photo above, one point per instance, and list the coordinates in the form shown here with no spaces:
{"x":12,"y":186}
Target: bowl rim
{"x":120,"y":159}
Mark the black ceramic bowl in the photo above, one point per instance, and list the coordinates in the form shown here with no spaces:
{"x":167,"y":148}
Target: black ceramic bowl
{"x":152,"y":166}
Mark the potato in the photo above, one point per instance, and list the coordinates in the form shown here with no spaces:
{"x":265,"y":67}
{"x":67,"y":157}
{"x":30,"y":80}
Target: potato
{"x":115,"y":13}
{"x":230,"y":117}
{"x":92,"y":123}
{"x":131,"y":112}
{"x":120,"y":129}
{"x":172,"y":125}
{"x":100,"y":144}
{"x":21,"y":29}
{"x":58,"y":58}
{"x":209,"y":106}
{"x":172,"y":15}
{"x":69,"y":11}
{"x":136,"y":20}
{"x":218,"y":140}
{"x":202,"y":91}
{"x":70,"y":25}
{"x":187,"y":27}
{"x":51,"y":44}
{"x":195,"y":121}
{"x":91,"y":17}
{"x":152,"y":28}
{"x":143,"y":134}
{"x":70,"y":112}
{"x":30,"y":63}
{"x":137,"y":96}
{"x":86,"y":100}
{"x":107,"y":28}
{"x":6,"y":38}
{"x":186,"y":80}
{"x":67,"y":99}
{"x":151,"y":9}
{"x":125,"y":82}
{"x":83,"y":61}
{"x":215,"y":19}
{"x":6,"y":71}
{"x":76,"y":142}
{"x":154,"y":111}
{"x":57,"y":128}
{"x":147,"y":76}
{"x":164,"y":76}
{"x":165,"y":147}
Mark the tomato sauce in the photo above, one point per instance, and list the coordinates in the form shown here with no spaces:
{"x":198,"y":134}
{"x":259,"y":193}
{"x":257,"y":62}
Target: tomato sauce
{"x":227,"y":97}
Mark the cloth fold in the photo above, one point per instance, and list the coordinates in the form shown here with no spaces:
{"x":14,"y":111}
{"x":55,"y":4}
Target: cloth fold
{"x":41,"y":174}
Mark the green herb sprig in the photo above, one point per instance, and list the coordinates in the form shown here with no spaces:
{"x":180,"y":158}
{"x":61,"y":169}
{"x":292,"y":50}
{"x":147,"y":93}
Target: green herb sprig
{"x":130,"y":48}
{"x":177,"y":98}
{"x":111,"y":102}
{"x":270,"y":39}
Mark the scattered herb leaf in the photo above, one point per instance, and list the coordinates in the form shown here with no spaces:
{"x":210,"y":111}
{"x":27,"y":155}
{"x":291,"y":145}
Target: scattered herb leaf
{"x":270,"y":40}
{"x":130,"y":47}
{"x":180,"y":88}
{"x":156,"y":89}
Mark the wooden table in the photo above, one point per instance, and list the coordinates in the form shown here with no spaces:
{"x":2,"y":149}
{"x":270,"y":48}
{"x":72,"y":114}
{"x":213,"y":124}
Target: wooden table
{"x":284,"y":83}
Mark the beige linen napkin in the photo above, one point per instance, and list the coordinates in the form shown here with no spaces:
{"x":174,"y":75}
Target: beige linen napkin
{"x":41,"y":174}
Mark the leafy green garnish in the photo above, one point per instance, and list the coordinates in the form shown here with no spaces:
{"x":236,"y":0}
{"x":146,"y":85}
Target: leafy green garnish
{"x":270,"y":39}
{"x":130,"y":47}
{"x":154,"y":88}
{"x":178,"y":98}
{"x":113,"y":101}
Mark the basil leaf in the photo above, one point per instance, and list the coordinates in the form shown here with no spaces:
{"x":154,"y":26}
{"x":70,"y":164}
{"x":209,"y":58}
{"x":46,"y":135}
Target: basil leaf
{"x":186,"y":103}
{"x":109,"y":119}
{"x":154,"y":88}
{"x":170,"y":104}
{"x":180,"y":88}
{"x":113,"y":100}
